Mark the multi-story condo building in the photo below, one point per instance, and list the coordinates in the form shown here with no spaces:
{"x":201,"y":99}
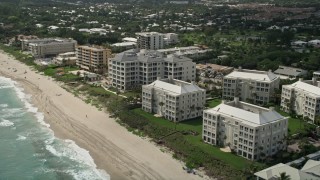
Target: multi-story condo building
{"x":173,"y":99}
{"x":93,"y":58}
{"x":48,"y":47}
{"x":250,"y":85}
{"x":251,"y":131}
{"x":150,"y":40}
{"x":302,"y":97}
{"x":131,"y":69}
{"x":69,"y":58}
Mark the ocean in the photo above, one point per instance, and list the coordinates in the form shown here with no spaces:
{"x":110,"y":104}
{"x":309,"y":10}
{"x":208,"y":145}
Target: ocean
{"x":28,"y":147}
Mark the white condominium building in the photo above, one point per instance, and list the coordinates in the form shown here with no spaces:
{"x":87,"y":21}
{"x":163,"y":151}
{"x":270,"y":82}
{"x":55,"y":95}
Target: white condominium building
{"x":93,"y":58}
{"x":251,"y":131}
{"x":48,"y":47}
{"x":131,"y":69}
{"x":302,"y":97}
{"x":150,"y":40}
{"x":250,"y":85}
{"x":173,"y":99}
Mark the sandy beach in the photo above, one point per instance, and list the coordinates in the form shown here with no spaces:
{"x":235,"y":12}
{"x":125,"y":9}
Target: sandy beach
{"x":120,"y":153}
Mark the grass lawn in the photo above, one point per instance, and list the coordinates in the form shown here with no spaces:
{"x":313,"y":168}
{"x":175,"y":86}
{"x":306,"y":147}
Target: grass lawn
{"x":131,"y":93}
{"x":213,"y":103}
{"x":295,"y":125}
{"x":196,"y":125}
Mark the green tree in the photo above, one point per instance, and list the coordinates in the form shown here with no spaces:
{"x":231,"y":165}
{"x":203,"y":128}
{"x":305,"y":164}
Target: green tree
{"x":284,"y":176}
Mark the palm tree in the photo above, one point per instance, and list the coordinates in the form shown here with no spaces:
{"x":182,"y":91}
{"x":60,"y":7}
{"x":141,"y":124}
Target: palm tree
{"x":284,"y":176}
{"x":161,"y":104}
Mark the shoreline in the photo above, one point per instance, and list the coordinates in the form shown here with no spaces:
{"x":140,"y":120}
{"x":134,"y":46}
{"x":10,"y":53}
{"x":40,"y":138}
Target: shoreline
{"x":120,"y":153}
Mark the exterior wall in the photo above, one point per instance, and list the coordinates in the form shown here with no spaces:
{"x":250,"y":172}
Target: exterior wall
{"x":93,"y":59}
{"x":126,"y":75}
{"x":247,"y":141}
{"x":259,"y":92}
{"x":175,"y":107}
{"x":151,"y":41}
{"x":40,"y":49}
{"x":300,"y":102}
{"x":185,"y":71}
{"x":43,"y":47}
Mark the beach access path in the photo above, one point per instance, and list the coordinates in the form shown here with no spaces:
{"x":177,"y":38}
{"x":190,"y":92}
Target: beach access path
{"x":120,"y":153}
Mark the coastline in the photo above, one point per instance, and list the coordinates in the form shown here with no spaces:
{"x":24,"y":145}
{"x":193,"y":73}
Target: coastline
{"x":120,"y":153}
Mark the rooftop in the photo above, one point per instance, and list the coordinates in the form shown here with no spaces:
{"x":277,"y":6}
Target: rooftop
{"x":266,"y":76}
{"x":175,"y":86}
{"x":306,"y":87}
{"x":124,"y":44}
{"x":276,"y":170}
{"x":95,"y":48}
{"x":290,"y":71}
{"x":251,"y":114}
{"x":148,"y":33}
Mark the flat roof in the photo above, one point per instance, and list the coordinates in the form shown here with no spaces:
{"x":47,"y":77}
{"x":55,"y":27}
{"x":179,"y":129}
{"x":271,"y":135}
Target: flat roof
{"x":124,"y":44}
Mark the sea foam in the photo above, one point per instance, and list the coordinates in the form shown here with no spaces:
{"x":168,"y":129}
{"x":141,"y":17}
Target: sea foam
{"x":69,"y":149}
{"x":3,"y":105}
{"x":6,"y":123}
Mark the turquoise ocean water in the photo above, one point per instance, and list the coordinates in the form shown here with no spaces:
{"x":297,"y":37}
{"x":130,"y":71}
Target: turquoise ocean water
{"x":28,"y":148}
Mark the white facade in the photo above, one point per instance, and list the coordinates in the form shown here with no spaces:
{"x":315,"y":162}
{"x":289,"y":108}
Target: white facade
{"x":48,"y":47}
{"x":131,"y":69}
{"x":69,"y":58}
{"x":302,"y":97}
{"x":150,"y":40}
{"x":171,"y":38}
{"x":250,"y":85}
{"x":251,"y":131}
{"x":173,"y":99}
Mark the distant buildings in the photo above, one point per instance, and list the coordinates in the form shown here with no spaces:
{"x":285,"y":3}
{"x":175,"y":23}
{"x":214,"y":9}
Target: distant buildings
{"x":171,"y":38}
{"x":314,"y":43}
{"x":155,"y":40}
{"x":214,"y":67}
{"x":286,"y":72}
{"x":69,"y":58}
{"x":48,"y":47}
{"x":93,"y":58}
{"x":189,"y":51}
{"x":150,"y":40}
{"x":131,"y":69}
{"x":251,"y":131}
{"x":249,"y":85}
{"x":316,"y":75}
{"x":126,"y":45}
{"x":302,"y":97}
{"x":174,"y":99}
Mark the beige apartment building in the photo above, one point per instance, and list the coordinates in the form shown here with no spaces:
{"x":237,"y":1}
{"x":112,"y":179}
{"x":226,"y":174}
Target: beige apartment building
{"x":48,"y":47}
{"x":131,"y":69}
{"x":93,"y":58}
{"x":302,"y":97}
{"x":251,"y":131}
{"x":68,"y":58}
{"x":173,"y":99}
{"x":250,"y":85}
